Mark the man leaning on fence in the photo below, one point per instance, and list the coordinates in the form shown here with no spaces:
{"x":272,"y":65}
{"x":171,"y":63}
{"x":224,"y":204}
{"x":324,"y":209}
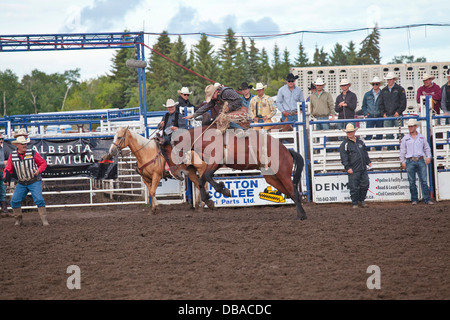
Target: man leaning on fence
{"x":415,"y":155}
{"x":392,"y":103}
{"x":371,"y":108}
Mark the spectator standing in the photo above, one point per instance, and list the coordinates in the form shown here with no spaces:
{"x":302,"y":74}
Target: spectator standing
{"x":183,"y":98}
{"x":312,"y":89}
{"x":392,"y":103}
{"x":261,"y":108}
{"x":287,"y":98}
{"x":445,"y":98}
{"x":430,"y":88}
{"x":371,"y":107}
{"x":322,"y":105}
{"x":246,"y":94}
{"x":346,"y":103}
{"x":355,"y":159}
{"x":415,"y":155}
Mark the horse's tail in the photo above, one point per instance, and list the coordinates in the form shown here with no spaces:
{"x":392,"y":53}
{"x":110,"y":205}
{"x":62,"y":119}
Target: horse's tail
{"x":299,"y":163}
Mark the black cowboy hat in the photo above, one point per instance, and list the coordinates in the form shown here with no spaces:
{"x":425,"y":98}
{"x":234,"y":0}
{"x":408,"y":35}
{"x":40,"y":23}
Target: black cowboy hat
{"x":291,"y":77}
{"x":312,"y":86}
{"x":244,"y":85}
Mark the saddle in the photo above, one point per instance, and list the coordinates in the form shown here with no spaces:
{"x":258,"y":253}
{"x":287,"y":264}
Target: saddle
{"x":224,"y":119}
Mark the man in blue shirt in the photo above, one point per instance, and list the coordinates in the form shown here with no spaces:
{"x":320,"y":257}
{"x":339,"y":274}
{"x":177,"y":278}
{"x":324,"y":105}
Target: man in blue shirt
{"x":287,"y":98}
{"x":415,"y":155}
{"x":371,"y":108}
{"x":246,"y":95}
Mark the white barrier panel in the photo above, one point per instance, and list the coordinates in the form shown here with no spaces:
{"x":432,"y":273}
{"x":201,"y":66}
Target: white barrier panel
{"x":443,"y":186}
{"x":383,"y":187}
{"x":248,"y":192}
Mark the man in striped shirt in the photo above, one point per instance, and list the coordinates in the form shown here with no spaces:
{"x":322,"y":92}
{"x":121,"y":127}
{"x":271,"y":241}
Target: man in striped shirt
{"x":261,"y":107}
{"x":27,"y":166}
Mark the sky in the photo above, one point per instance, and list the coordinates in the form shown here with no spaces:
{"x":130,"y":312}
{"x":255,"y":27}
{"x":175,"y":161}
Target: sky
{"x":246,"y":18}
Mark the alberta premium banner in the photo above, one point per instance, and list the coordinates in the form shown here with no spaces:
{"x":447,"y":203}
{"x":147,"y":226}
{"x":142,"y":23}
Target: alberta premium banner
{"x":73,"y":157}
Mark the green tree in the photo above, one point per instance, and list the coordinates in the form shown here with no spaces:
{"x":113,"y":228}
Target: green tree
{"x":302,"y":58}
{"x":159,"y":66}
{"x":352,"y":56}
{"x":320,"y":57}
{"x":370,"y":48}
{"x":9,"y":85}
{"x":286,"y":64}
{"x":227,"y":56}
{"x":242,"y":62}
{"x":406,"y":59}
{"x":338,"y":56}
{"x":264,"y":66}
{"x":253,"y":63}
{"x":277,"y":67}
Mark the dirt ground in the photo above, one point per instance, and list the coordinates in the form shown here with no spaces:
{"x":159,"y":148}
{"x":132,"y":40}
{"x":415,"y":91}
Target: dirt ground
{"x":239,"y":253}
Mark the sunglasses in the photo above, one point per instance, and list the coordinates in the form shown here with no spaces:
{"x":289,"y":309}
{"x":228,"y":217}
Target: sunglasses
{"x":186,"y":95}
{"x":375,"y":84}
{"x":291,"y":80}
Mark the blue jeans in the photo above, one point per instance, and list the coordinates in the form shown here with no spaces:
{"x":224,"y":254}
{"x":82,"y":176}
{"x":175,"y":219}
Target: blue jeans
{"x":419,"y":167}
{"x":391,"y":123}
{"x":289,"y":118}
{"x":358,"y":184}
{"x":21,"y":192}
{"x":374,"y":124}
{"x":323,"y":126}
{"x":2,"y":189}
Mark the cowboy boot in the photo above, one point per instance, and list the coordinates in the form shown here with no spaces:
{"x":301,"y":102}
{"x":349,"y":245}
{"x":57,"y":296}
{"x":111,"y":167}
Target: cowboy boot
{"x":4,"y":207}
{"x":43,"y":214}
{"x":18,"y":216}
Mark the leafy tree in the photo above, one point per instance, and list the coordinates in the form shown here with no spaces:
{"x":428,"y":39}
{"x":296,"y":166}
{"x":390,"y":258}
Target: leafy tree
{"x":370,"y":48}
{"x":338,"y":56}
{"x":302,"y":58}
{"x":9,"y":85}
{"x":352,"y":56}
{"x":227,"y":56}
{"x":277,"y":67}
{"x":253,"y":63}
{"x":320,"y":57}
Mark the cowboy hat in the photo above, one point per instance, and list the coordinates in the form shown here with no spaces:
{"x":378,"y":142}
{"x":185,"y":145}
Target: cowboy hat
{"x":390,"y":75}
{"x":319,"y":82}
{"x":184,"y":90}
{"x":244,"y":86}
{"x":427,"y":76}
{"x":349,"y":128}
{"x":21,"y":132}
{"x":21,"y":140}
{"x":260,"y":86}
{"x":412,"y":122}
{"x":209,"y":91}
{"x":375,"y":80}
{"x":312,"y":87}
{"x":344,"y":82}
{"x":170,"y":103}
{"x":291,"y":77}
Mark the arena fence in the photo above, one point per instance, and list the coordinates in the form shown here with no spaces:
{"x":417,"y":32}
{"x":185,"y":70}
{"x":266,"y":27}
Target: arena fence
{"x":323,"y":180}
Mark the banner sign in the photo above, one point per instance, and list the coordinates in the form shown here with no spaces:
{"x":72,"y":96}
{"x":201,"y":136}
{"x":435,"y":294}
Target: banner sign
{"x":383,"y":187}
{"x":248,"y":192}
{"x":73,"y":157}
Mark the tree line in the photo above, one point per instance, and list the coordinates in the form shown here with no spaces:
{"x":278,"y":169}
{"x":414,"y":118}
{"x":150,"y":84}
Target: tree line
{"x":235,"y":61}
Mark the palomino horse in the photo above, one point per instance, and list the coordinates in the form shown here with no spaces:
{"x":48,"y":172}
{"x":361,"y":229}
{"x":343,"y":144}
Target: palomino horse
{"x":151,"y":162}
{"x":256,"y":151}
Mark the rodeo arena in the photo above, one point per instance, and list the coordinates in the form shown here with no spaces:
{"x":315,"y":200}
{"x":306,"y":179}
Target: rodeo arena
{"x":247,"y":239}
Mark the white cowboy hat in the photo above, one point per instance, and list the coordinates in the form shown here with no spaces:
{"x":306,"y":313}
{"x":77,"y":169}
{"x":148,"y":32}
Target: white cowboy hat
{"x":412,"y":122}
{"x":21,"y":140}
{"x":170,"y":103}
{"x":427,"y":76}
{"x":390,"y":75}
{"x":344,"y":82}
{"x":349,"y":128}
{"x":21,"y":132}
{"x":209,"y":91}
{"x":319,"y":82}
{"x":184,"y":90}
{"x":260,"y":86}
{"x":375,"y":80}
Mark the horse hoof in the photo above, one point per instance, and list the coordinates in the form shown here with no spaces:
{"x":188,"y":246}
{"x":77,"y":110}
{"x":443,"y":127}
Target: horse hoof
{"x":301,"y":218}
{"x":226,"y":192}
{"x":210,"y":204}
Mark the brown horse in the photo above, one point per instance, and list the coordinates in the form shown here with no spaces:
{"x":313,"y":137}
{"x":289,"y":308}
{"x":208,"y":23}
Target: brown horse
{"x":256,"y":151}
{"x":151,"y":162}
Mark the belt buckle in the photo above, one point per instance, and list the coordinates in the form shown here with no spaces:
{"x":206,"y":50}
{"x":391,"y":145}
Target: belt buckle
{"x":415,"y":159}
